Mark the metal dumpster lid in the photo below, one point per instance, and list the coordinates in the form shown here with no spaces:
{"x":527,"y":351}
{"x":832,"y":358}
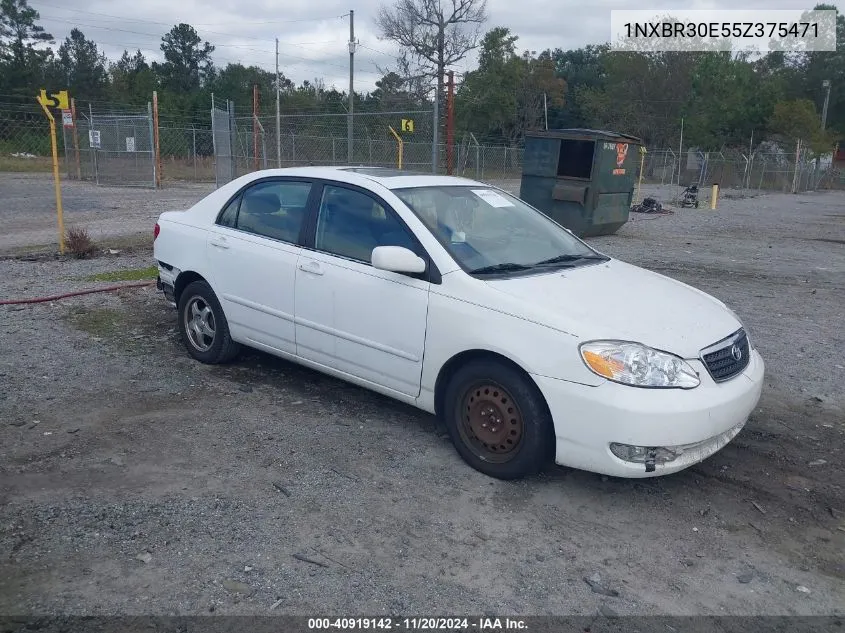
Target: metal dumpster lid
{"x":576,"y":132}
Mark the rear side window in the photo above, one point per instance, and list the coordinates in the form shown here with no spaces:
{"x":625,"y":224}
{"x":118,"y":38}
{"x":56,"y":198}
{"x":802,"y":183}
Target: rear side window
{"x":273,"y":209}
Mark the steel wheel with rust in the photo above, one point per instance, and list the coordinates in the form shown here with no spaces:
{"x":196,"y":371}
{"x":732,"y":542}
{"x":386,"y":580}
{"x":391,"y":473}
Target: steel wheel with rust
{"x":498,"y":420}
{"x":492,"y":424}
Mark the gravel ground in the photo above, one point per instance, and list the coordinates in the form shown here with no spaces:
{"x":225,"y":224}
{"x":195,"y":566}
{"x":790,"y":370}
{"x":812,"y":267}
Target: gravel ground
{"x":136,"y":481}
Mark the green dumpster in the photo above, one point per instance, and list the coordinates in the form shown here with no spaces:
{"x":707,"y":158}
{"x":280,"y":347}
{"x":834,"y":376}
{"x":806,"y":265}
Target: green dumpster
{"x":582,"y":179}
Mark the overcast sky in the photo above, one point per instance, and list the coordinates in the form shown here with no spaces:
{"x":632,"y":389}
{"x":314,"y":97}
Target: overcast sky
{"x":313,"y":34}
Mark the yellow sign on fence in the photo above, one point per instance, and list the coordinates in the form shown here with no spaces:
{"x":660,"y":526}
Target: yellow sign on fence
{"x":408,"y":125}
{"x":60,"y":100}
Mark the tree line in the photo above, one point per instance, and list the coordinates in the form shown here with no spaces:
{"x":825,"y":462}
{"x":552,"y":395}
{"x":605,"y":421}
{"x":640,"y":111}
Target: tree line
{"x":724,"y":98}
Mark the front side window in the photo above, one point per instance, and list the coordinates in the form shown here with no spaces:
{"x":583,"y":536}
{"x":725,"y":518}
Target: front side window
{"x":488,"y":231}
{"x":351,"y":224}
{"x":274,"y":209}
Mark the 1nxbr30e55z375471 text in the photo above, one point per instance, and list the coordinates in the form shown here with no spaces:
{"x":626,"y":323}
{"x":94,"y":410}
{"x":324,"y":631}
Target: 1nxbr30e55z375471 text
{"x":710,"y":29}
{"x":721,"y":29}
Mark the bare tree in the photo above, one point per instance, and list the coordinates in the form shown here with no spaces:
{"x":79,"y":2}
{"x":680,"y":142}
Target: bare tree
{"x":434,"y":34}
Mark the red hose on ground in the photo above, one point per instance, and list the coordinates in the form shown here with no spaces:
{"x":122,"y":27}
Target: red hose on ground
{"x":75,"y":294}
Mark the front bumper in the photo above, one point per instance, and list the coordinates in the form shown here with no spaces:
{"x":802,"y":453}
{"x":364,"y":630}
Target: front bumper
{"x":697,"y":423}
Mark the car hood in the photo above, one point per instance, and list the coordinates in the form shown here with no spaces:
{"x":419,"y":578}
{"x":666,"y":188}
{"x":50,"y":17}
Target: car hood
{"x":615,"y":300}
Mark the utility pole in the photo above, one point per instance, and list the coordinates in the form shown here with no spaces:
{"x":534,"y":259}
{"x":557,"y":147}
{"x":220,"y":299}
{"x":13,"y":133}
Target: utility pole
{"x":255,"y":124}
{"x":435,"y":128}
{"x":351,"y":86}
{"x":278,"y":115}
{"x":826,"y":86}
{"x":450,"y":124}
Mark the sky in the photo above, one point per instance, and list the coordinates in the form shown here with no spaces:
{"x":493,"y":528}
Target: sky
{"x":313,"y":34}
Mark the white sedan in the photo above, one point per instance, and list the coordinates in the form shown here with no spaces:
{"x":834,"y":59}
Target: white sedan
{"x":462,"y":300}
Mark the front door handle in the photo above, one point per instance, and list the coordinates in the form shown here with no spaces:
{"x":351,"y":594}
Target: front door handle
{"x":219,"y":242}
{"x":311,"y":267}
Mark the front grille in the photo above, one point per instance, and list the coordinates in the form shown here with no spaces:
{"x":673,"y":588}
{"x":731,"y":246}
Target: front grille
{"x":720,"y":358}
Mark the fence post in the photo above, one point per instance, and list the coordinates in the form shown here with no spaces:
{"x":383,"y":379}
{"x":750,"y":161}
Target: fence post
{"x":194,"y":133}
{"x":334,"y":160}
{"x":263,"y":149}
{"x":795,"y":179}
{"x":93,"y":149}
{"x":156,"y":140}
{"x":75,"y":139}
{"x":152,"y":143}
{"x":214,"y":143}
{"x":233,"y":138}
{"x":254,"y":126}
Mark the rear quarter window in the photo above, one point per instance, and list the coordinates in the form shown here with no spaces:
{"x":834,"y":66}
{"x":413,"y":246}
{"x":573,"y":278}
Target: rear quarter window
{"x":229,"y":215}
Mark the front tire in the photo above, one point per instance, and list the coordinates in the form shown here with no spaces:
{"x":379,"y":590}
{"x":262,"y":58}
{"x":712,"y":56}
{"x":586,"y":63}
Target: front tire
{"x":498,"y":420}
{"x":203,"y":326}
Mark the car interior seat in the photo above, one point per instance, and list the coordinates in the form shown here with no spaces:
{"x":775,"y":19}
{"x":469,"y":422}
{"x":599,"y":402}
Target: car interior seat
{"x":264,"y":216}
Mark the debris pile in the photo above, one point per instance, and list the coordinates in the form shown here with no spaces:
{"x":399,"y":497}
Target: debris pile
{"x":650,"y":205}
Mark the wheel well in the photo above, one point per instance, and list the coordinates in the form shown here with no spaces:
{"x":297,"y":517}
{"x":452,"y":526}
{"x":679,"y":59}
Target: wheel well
{"x":459,"y":360}
{"x":182,"y":282}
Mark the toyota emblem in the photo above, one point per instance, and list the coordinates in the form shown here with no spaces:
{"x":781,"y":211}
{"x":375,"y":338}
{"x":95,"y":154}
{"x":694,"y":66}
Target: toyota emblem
{"x":736,"y":352}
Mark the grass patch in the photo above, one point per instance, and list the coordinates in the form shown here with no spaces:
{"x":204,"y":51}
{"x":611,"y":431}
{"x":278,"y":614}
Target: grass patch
{"x":26,"y":165}
{"x":132,"y":274}
{"x":100,"y":322}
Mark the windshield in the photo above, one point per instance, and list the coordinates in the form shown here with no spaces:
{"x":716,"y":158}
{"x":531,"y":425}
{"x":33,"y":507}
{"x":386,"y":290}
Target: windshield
{"x":489,"y":231}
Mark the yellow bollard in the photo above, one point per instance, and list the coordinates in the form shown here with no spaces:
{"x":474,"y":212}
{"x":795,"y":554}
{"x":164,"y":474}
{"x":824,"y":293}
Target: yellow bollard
{"x":45,"y":102}
{"x":640,"y":181}
{"x":714,"y":195}
{"x":400,"y":145}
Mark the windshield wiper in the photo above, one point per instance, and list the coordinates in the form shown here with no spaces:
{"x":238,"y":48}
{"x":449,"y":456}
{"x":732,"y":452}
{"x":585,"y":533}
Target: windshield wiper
{"x":505,"y":267}
{"x":565,"y":259}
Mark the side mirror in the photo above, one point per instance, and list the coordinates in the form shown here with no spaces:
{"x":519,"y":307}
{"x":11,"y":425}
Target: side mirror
{"x":397,"y":259}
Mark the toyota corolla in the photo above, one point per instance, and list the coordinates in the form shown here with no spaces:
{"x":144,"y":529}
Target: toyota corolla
{"x":462,"y":300}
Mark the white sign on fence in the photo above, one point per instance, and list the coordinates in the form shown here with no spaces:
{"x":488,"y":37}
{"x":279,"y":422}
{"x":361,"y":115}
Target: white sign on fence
{"x":130,"y":143}
{"x":67,"y":118}
{"x":94,"y":138}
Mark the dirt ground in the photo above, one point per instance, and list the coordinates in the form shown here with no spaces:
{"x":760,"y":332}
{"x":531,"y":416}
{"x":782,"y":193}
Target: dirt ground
{"x":134,"y":480}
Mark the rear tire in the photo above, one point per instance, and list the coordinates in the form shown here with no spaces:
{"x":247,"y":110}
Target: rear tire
{"x":203,"y":326}
{"x":498,"y":420}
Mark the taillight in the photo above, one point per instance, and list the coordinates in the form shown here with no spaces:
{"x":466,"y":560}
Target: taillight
{"x":156,"y":231}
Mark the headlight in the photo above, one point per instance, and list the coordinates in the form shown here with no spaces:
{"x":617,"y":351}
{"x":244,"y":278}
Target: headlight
{"x":637,"y":365}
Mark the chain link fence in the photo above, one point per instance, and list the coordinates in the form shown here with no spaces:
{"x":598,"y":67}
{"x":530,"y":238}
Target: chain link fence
{"x":768,"y":168}
{"x":111,"y":149}
{"x":118,"y":149}
{"x":323,"y":139}
{"x":25,"y":139}
{"x":187,"y":152}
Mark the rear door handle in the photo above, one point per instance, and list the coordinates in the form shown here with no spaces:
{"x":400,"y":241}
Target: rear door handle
{"x":219,"y":242}
{"x":311,"y":267}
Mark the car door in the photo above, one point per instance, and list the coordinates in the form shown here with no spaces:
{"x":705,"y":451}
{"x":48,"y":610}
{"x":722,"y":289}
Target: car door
{"x":350,"y":316}
{"x":253,"y":251}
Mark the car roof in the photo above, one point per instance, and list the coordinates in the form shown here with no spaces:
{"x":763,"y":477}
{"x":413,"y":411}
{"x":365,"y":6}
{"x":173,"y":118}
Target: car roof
{"x":391,"y":178}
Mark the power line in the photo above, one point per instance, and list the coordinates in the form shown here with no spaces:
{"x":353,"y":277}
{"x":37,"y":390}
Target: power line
{"x":324,"y":62}
{"x":375,"y":50}
{"x":113,"y":28}
{"x":127,"y":19}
